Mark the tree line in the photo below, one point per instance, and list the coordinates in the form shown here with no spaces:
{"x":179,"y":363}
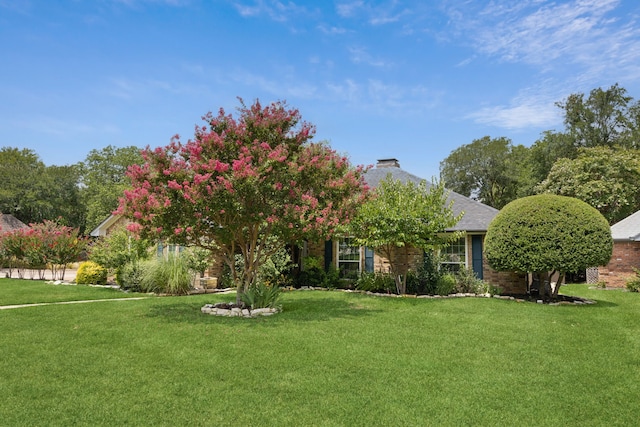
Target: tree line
{"x":79,"y":196}
{"x":595,"y":158}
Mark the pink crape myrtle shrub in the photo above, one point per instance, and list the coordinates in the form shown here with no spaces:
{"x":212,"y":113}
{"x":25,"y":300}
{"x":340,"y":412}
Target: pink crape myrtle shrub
{"x":42,"y":245}
{"x":246,"y":185}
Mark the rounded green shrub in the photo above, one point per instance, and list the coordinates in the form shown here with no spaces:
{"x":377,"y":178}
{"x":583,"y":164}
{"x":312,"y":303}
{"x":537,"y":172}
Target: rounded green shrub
{"x":91,"y":273}
{"x":546,"y":233}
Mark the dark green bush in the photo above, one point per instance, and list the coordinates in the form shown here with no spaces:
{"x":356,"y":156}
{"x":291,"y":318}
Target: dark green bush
{"x":446,"y":284}
{"x":376,"y":282}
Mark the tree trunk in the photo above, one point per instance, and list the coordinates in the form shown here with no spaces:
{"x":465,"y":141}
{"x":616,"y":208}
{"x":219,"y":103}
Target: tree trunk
{"x":558,"y":284}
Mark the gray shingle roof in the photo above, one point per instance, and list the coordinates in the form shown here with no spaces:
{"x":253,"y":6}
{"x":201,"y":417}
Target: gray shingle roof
{"x":9,"y":223}
{"x":627,"y":229}
{"x":477,"y":216}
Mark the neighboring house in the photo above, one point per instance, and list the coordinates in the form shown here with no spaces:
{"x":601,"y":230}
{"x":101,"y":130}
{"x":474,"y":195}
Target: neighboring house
{"x":10,"y":223}
{"x":352,"y":259}
{"x":466,"y":253}
{"x":108,"y":225}
{"x":626,"y":252}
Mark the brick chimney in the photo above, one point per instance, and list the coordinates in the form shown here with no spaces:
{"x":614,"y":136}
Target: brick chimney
{"x":388,"y":163}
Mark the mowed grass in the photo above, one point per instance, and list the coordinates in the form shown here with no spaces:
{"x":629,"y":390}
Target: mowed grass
{"x":17,"y":291}
{"x":329,"y":359}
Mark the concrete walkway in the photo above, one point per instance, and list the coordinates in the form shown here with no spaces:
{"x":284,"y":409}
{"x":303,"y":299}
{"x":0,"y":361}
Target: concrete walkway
{"x":8,"y":307}
{"x":69,"y":274}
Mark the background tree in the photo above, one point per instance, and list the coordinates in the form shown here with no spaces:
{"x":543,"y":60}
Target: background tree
{"x":490,"y":170}
{"x":400,"y":216}
{"x":249,"y":185}
{"x":21,"y":174}
{"x":33,"y":192}
{"x":546,"y":151}
{"x":104,"y":179}
{"x":606,"y":118}
{"x":548,"y":233}
{"x":606,"y":178}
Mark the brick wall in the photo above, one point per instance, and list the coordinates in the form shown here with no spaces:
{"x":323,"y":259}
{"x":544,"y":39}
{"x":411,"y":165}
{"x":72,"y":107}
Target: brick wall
{"x":625,"y":255}
{"x":509,"y":283}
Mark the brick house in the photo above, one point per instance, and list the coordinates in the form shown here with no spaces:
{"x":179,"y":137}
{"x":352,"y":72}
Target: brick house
{"x":626,"y":252}
{"x":352,"y":260}
{"x":466,"y":253}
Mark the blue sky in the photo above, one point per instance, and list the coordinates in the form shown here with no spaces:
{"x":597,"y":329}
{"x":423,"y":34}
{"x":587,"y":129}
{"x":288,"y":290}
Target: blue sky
{"x":406,"y":79}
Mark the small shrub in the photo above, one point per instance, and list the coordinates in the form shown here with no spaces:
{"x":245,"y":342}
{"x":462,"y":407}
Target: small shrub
{"x":261,"y":295}
{"x":129,"y":276}
{"x":332,"y":279}
{"x":468,"y":282}
{"x":633,"y":283}
{"x":91,"y":273}
{"x":446,"y":284}
{"x":376,"y":282}
{"x":424,"y":281}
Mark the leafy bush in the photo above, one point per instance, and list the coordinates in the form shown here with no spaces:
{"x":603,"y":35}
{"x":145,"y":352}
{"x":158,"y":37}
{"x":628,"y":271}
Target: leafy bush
{"x":446,"y":284}
{"x":91,"y":273}
{"x":119,"y":249}
{"x":129,"y":276}
{"x":376,"y":282}
{"x":468,"y":282}
{"x":261,"y":295}
{"x":424,"y":281}
{"x":548,"y":233}
{"x":633,"y":283}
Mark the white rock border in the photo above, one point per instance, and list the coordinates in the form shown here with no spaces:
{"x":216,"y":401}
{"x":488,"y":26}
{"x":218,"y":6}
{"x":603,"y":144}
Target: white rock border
{"x":218,"y":309}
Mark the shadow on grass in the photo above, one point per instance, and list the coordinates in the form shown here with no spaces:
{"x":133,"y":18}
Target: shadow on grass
{"x":299,"y":309}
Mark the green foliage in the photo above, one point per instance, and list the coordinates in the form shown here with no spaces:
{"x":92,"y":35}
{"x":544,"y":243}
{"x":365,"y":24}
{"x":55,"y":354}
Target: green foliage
{"x":262,"y":295}
{"x":606,"y":178}
{"x":91,"y":273}
{"x":376,"y":282}
{"x":118,"y":249}
{"x":315,"y":275}
{"x":468,"y":282}
{"x":606,"y":118}
{"x":446,"y":284}
{"x":491,"y":169}
{"x":548,"y":233}
{"x":425,"y":280}
{"x":244,"y":184}
{"x":104,"y":179}
{"x":170,"y":275}
{"x":633,"y":283}
{"x":129,"y":276}
{"x":33,"y":192}
{"x":402,"y":215}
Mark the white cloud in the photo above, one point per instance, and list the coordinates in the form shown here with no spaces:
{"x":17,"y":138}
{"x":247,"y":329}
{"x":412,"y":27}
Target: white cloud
{"x":359,"y":55}
{"x":274,"y":9}
{"x":532,"y":107}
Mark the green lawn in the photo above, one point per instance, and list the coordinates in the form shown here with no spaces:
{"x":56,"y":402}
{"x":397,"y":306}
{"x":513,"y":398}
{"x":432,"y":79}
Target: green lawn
{"x":330,"y":358}
{"x":15,"y":291}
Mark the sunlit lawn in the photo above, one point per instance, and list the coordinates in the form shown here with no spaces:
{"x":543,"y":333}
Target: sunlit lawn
{"x":330,"y":358}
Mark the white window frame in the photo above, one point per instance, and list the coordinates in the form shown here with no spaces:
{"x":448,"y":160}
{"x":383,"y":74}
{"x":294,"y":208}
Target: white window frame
{"x":447,"y":251}
{"x":354,"y":250}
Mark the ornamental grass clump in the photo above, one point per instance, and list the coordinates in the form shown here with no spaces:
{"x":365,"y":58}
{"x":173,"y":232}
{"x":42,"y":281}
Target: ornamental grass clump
{"x":170,"y":276}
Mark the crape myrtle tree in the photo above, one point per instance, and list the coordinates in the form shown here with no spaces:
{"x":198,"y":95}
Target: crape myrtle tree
{"x":548,"y":233}
{"x":248,"y":185}
{"x":402,"y":215}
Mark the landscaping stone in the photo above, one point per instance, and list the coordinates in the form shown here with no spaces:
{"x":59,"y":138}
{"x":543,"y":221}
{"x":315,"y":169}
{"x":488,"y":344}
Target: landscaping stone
{"x":230,"y":310}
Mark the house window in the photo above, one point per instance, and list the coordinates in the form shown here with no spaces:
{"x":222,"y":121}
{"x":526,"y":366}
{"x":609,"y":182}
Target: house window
{"x":454,"y":256}
{"x":348,"y":258}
